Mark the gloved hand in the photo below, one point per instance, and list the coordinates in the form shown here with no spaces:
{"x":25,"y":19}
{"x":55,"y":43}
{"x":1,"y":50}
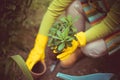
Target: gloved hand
{"x":68,"y":51}
{"x":81,"y":38}
{"x":71,"y":54}
{"x":38,"y":52}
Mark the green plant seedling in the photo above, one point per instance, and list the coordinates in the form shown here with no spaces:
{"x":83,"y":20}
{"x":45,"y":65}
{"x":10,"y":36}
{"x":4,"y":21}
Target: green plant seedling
{"x":62,"y":33}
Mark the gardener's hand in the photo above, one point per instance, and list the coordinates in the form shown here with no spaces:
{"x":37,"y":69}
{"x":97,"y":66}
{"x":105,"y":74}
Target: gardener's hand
{"x":81,"y":38}
{"x":38,"y":52}
{"x":68,"y":51}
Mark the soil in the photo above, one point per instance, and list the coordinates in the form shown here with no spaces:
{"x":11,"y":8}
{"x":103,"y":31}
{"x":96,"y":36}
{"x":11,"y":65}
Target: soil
{"x":84,"y":66}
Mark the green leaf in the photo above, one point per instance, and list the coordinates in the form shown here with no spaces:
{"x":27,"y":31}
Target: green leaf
{"x":69,"y":39}
{"x":70,"y":20}
{"x":61,"y":47}
{"x":57,"y":42}
{"x":59,"y":34}
{"x":65,"y":33}
{"x":53,"y":29}
{"x":63,"y":20}
{"x":50,"y":41}
{"x":50,"y":35}
{"x":74,"y":29}
{"x":55,"y":37}
{"x":69,"y":17}
{"x":22,"y":65}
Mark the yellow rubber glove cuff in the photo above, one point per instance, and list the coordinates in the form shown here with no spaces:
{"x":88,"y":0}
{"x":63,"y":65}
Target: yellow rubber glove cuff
{"x":81,"y":38}
{"x":38,"y":52}
{"x":68,"y":51}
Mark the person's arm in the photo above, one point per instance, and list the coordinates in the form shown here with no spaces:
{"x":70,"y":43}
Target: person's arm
{"x":37,"y":54}
{"x":107,"y":25}
{"x":56,"y":8}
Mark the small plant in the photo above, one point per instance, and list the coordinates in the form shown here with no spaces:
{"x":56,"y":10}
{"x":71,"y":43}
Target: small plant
{"x":61,"y":34}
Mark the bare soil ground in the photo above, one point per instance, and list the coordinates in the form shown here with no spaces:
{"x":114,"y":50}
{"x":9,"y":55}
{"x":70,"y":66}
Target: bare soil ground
{"x":84,"y":66}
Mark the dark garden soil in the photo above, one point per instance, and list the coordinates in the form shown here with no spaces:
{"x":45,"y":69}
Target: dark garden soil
{"x":84,"y":66}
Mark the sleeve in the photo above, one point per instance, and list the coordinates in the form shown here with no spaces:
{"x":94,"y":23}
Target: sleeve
{"x":55,"y":9}
{"x":107,"y":25}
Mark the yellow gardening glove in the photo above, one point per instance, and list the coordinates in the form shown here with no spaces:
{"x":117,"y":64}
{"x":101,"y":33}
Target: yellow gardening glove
{"x":68,"y":51}
{"x":38,"y":52}
{"x":81,"y":38}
